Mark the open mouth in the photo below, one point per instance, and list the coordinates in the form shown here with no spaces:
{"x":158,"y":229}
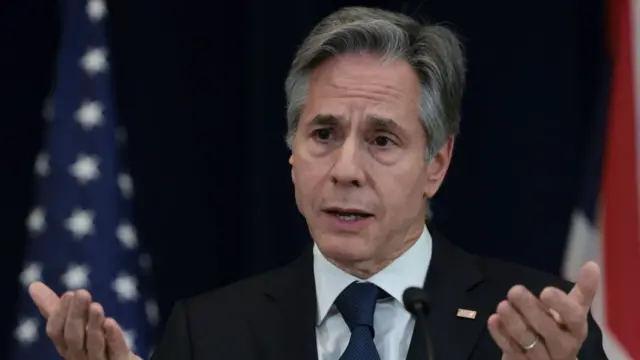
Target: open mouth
{"x":348,"y":214}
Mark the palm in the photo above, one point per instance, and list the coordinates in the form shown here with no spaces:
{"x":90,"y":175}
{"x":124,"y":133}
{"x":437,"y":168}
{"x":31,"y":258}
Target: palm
{"x":541,"y":321}
{"x":78,"y":327}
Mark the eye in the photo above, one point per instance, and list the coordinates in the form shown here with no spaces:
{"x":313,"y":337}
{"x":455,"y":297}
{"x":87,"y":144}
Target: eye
{"x":382,"y":141}
{"x":323,"y":134}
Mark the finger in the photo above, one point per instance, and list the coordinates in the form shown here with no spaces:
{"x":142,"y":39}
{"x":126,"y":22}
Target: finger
{"x":76,"y":325}
{"x":57,"y":319}
{"x":537,"y":316}
{"x":45,"y":299}
{"x":573,"y":315}
{"x":585,"y":289}
{"x":517,"y":329}
{"x":96,"y":344}
{"x":117,"y":348}
{"x":556,"y":317}
{"x":504,"y":342}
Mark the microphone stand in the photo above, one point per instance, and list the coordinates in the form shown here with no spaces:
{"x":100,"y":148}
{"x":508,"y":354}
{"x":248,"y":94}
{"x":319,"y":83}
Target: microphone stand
{"x":417,"y":303}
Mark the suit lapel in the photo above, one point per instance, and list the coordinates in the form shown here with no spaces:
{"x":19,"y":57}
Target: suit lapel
{"x":453,"y":282}
{"x":288,"y":325}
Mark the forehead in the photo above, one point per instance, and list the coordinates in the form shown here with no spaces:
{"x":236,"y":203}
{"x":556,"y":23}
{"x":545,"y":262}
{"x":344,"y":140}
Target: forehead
{"x":360,"y":86}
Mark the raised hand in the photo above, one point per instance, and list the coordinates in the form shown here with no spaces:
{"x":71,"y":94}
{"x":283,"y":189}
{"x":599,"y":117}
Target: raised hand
{"x":551,"y":327}
{"x":78,"y":327}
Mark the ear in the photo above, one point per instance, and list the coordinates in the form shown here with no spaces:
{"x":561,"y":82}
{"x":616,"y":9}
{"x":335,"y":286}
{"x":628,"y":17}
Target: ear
{"x":293,"y":176}
{"x":437,"y":168}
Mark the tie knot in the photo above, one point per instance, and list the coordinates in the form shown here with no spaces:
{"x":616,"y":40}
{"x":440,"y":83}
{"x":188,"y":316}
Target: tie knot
{"x":357,"y":303}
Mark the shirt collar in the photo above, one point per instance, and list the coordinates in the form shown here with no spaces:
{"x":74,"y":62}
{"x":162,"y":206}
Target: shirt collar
{"x":409,"y":269}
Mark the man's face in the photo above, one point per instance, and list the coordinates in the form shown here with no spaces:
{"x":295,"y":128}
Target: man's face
{"x":358,"y":159}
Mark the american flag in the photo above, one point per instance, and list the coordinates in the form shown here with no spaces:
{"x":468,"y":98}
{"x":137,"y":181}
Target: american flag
{"x":606,"y":222}
{"x":81,"y":231}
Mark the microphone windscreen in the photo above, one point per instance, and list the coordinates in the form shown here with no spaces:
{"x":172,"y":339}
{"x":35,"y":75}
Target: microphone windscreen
{"x":416,"y":299}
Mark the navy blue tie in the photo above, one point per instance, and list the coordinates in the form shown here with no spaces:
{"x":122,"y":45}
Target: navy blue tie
{"x":357,"y":303}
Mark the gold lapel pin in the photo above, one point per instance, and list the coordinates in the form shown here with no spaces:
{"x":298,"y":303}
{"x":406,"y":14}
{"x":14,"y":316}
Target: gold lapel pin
{"x":466,"y":313}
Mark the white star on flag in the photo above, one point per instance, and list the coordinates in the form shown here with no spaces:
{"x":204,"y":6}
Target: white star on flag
{"x":80,"y":223}
{"x":85,"y":168}
{"x":94,"y":61}
{"x":41,"y":166}
{"x":130,"y":339}
{"x":152,"y":311}
{"x":96,"y":10}
{"x":31,"y":273}
{"x":90,"y":115}
{"x":27,"y":331}
{"x":126,"y":286}
{"x":125,"y":183}
{"x":36,"y":222}
{"x":76,"y":277}
{"x":126,"y":233}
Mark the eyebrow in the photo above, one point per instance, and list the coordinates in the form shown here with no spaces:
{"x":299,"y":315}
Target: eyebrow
{"x":374,"y":121}
{"x":325,"y":120}
{"x":384,"y":124}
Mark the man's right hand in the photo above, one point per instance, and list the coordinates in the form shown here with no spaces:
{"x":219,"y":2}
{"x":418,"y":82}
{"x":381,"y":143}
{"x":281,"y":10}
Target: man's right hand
{"x":78,"y":327}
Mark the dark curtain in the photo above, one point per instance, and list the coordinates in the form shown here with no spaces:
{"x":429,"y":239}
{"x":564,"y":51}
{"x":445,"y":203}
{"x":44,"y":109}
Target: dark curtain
{"x":200,"y":88}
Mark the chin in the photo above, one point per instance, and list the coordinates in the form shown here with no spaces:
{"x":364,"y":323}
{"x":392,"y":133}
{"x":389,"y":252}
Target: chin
{"x":345,"y":248}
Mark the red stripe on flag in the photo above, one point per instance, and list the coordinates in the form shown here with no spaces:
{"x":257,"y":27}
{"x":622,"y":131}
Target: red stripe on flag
{"x":621,"y":236}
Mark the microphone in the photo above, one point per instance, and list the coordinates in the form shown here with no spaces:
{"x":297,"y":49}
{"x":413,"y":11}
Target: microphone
{"x":417,"y":303}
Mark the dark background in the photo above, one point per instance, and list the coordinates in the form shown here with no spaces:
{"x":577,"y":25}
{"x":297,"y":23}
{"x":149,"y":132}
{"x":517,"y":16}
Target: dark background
{"x":200,"y":88}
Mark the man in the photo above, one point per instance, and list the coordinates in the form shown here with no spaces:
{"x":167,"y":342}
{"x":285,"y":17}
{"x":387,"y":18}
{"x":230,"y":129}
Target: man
{"x":373,"y":108}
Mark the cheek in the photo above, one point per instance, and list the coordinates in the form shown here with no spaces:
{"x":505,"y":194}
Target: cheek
{"x":395,"y":198}
{"x":307,"y":179}
{"x":402,"y":191}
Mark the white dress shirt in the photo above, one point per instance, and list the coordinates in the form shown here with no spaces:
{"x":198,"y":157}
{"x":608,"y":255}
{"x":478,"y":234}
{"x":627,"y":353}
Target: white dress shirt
{"x":392,"y":323}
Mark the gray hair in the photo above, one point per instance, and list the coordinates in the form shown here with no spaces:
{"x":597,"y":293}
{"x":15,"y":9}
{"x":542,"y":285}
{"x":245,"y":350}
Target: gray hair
{"x":433,"y":51}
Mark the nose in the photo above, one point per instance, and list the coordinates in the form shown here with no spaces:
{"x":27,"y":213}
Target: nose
{"x":347,"y":169}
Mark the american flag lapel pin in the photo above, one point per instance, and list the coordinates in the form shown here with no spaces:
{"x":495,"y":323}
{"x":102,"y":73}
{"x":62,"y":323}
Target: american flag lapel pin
{"x":466,"y":313}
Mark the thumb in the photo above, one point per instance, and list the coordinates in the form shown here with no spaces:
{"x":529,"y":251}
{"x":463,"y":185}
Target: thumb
{"x":45,"y":299}
{"x":117,"y":347}
{"x":587,"y":284}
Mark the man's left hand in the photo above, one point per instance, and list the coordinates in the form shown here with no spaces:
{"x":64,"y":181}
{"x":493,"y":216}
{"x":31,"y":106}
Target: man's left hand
{"x":552,"y":327}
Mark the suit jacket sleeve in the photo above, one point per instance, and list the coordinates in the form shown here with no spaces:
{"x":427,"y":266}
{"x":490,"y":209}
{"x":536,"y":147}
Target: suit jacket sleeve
{"x":592,"y":348}
{"x":176,"y":340}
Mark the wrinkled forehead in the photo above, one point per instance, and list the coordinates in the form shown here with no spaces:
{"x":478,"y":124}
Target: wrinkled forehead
{"x":359,"y":89}
{"x":367,"y":121}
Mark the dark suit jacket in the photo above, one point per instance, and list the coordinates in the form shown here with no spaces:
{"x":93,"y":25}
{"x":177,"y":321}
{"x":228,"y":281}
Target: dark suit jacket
{"x":272,"y":316}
